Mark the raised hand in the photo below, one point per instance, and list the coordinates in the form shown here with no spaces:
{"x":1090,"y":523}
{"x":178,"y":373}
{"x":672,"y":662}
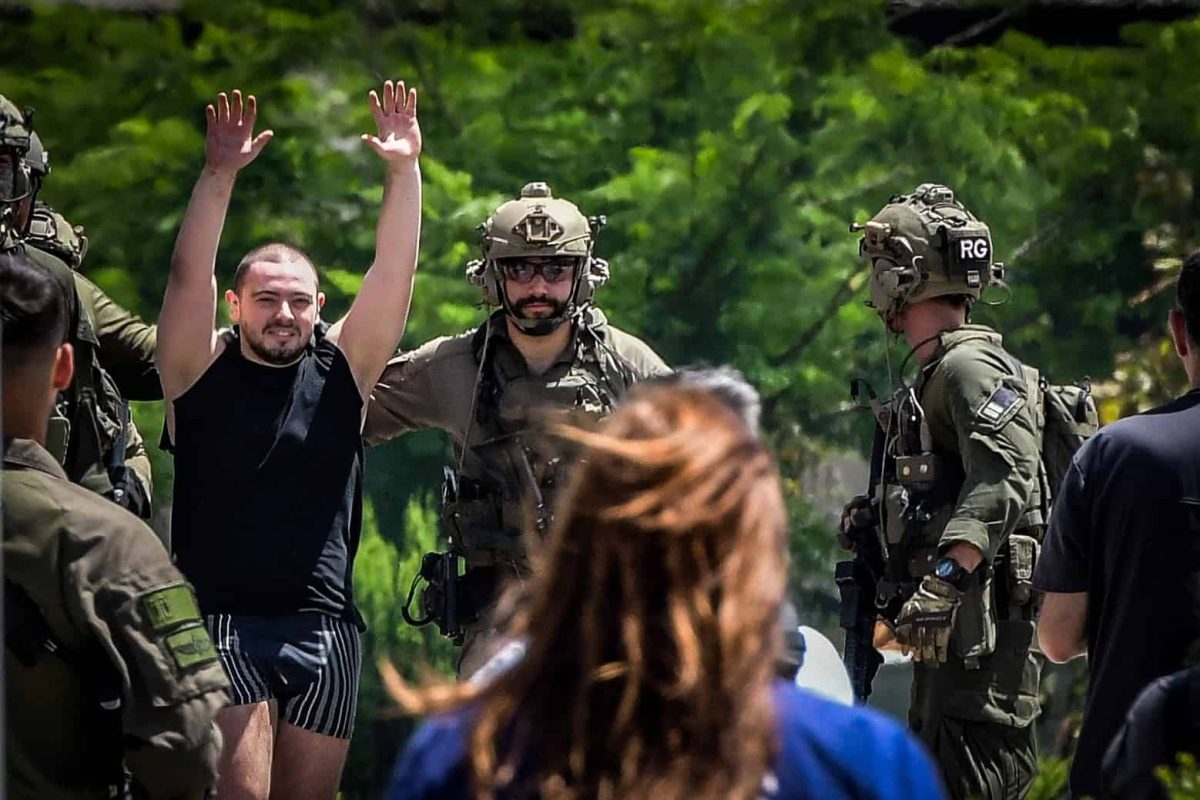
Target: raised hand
{"x":399,"y":138}
{"x":230,"y":143}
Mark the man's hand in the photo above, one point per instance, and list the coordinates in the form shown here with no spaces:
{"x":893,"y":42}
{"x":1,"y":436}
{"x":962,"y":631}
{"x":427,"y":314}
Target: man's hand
{"x":926,"y":619}
{"x":230,"y":143}
{"x":859,"y":513}
{"x":399,"y":139}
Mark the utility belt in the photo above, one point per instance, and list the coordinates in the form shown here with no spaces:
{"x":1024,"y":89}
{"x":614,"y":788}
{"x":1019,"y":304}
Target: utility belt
{"x":454,"y":598}
{"x":998,"y":592}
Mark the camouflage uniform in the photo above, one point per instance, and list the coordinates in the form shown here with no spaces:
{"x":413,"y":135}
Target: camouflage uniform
{"x":478,"y":388}
{"x":92,"y":432}
{"x":106,"y":659}
{"x":962,"y":464}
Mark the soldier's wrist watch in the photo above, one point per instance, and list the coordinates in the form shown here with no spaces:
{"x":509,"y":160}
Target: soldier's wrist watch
{"x":953,"y":573}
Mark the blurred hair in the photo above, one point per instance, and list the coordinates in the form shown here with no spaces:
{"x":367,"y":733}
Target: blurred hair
{"x":33,"y":311}
{"x":1187,"y":295}
{"x":726,"y":383}
{"x":275,"y":253}
{"x":652,"y":618}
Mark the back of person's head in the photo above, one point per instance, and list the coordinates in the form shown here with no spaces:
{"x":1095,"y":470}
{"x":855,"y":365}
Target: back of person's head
{"x":33,"y":312}
{"x":726,"y":383}
{"x":1187,"y":295}
{"x":652,"y":616}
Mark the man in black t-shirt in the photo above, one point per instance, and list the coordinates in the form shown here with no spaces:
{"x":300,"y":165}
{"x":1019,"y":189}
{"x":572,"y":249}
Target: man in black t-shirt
{"x":1121,"y":558}
{"x":266,"y":427}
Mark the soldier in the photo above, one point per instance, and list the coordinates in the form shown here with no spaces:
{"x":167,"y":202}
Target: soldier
{"x":106,"y":659}
{"x":546,"y":347}
{"x":91,"y":433}
{"x":961,"y":500}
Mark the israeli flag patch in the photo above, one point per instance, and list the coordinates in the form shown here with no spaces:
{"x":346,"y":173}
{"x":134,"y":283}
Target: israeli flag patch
{"x":1001,"y":405}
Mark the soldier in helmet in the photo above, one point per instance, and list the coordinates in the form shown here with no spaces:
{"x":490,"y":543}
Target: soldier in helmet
{"x":959,"y":504}
{"x":546,"y":348}
{"x":91,"y":433}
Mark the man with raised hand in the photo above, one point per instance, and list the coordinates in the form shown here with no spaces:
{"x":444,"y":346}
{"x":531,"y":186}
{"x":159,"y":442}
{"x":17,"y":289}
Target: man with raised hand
{"x":266,"y":428}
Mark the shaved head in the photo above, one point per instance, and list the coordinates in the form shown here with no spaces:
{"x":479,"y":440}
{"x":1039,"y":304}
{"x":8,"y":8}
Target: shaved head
{"x":271,"y":253}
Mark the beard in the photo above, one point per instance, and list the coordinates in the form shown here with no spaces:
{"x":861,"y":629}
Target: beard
{"x":276,"y":353}
{"x":557,"y":308}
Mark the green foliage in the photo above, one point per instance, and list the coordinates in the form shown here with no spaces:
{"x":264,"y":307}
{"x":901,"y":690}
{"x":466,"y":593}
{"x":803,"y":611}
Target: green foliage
{"x":1051,"y":780}
{"x":1181,"y":782}
{"x":728,"y":143}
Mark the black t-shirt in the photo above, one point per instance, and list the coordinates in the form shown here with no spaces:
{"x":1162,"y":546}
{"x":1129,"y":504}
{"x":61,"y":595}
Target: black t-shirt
{"x":1126,"y":530}
{"x":268,"y":484}
{"x":1163,"y":722}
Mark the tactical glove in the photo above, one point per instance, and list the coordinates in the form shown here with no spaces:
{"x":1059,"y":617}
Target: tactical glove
{"x":858,"y":514}
{"x":926,"y":619}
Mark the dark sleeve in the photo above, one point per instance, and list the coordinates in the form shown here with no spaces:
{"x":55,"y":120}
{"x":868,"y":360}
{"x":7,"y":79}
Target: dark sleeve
{"x":1063,"y":564}
{"x":1144,"y":742}
{"x":144,"y":615}
{"x":127,"y":344}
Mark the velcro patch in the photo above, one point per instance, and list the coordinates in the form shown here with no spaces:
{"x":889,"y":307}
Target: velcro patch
{"x":1001,"y":405}
{"x":170,"y":607}
{"x":191,"y":646}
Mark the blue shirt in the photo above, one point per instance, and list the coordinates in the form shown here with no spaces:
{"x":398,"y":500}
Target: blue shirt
{"x":827,"y":752}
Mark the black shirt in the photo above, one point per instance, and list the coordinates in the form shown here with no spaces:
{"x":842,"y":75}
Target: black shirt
{"x":268,"y":484}
{"x":1163,"y":722}
{"x":1126,"y":530}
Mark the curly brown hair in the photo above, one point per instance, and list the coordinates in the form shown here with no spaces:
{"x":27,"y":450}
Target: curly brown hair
{"x":652,"y":619}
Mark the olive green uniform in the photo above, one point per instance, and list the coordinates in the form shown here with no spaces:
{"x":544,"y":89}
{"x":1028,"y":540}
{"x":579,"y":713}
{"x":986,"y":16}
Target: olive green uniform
{"x":974,"y":711}
{"x":508,"y":466}
{"x":106,"y":658}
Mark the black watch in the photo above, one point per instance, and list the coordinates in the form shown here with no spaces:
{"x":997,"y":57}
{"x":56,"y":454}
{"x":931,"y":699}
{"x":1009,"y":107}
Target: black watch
{"x":953,"y":573}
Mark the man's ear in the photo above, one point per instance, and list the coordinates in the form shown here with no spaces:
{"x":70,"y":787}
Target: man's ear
{"x":320,"y":300}
{"x":231,"y":302}
{"x":64,"y":366}
{"x":1179,"y":333}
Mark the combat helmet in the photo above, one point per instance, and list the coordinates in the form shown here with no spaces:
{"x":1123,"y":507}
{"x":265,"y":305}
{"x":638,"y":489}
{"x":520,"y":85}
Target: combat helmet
{"x":16,"y":133}
{"x":50,"y":231}
{"x":538,"y":224}
{"x":925,"y":245}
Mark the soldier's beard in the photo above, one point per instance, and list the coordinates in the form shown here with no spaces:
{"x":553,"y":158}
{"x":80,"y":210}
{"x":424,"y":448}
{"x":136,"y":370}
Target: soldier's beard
{"x":558,"y":308}
{"x":278,"y":353}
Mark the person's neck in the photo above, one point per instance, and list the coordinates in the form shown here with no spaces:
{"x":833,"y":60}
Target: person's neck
{"x":25,"y":420}
{"x":540,"y":352}
{"x":922,"y":330}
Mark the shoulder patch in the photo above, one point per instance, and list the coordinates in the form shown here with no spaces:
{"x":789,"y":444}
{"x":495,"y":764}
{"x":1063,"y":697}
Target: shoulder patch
{"x":169,"y":607}
{"x":191,"y":646}
{"x":999,"y":407}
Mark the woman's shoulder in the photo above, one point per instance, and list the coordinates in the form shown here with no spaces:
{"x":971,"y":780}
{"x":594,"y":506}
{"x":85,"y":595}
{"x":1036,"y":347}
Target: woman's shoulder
{"x":433,"y":764}
{"x":831,"y":750}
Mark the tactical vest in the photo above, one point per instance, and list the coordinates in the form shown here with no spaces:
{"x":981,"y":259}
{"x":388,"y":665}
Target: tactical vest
{"x":89,"y":425}
{"x":517,"y":467}
{"x":922,"y":484}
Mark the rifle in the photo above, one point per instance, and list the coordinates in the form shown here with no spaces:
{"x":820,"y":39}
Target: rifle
{"x":858,"y":578}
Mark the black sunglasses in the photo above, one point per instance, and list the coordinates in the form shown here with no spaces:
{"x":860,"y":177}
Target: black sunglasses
{"x":518,"y":270}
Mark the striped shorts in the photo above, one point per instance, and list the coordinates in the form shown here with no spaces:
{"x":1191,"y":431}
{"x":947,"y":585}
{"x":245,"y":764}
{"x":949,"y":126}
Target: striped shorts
{"x":309,"y":663}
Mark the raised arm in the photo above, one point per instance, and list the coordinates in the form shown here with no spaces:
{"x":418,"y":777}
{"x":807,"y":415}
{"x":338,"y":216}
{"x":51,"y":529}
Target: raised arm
{"x":370,"y":332}
{"x":187,"y":343}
